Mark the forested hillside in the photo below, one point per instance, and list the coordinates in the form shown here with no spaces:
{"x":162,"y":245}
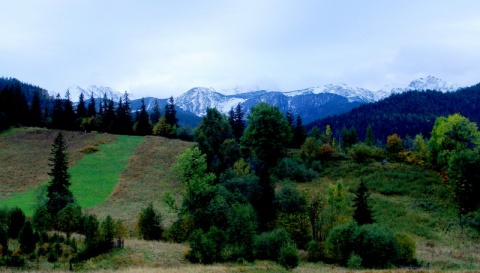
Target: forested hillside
{"x":409,"y":113}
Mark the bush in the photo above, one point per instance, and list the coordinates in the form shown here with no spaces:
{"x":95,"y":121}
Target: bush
{"x":242,"y":226}
{"x":181,"y":229}
{"x":267,"y":245}
{"x":340,"y":242}
{"x":202,"y":248}
{"x":406,"y":250}
{"x":89,"y":149}
{"x":362,"y":153}
{"x":354,"y":262}
{"x":149,"y":224}
{"x":315,"y":251}
{"x":17,"y":220}
{"x":292,"y":169}
{"x":27,"y":238}
{"x":288,"y":256}
{"x":376,"y":245}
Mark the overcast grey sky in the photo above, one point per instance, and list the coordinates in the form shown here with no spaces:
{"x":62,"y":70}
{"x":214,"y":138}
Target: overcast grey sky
{"x":164,"y":48}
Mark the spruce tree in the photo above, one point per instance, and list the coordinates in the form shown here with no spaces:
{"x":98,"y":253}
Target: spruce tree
{"x":58,"y":118}
{"x":142,"y":126}
{"x":35,"y":111}
{"x":362,"y":212}
{"x":58,"y":194}
{"x":81,"y":109}
{"x":27,"y":238}
{"x":171,"y":113}
{"x":300,"y":133}
{"x":155,"y":116}
{"x":238,"y":122}
{"x":91,"y":110}
{"x":369,"y":138}
{"x":69,"y":113}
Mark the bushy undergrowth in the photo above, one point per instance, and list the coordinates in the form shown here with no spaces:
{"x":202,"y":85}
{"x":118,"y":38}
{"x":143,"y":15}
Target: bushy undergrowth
{"x":294,"y":169}
{"x":375,"y":246}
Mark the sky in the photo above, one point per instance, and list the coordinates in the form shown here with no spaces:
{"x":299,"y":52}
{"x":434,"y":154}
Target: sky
{"x":164,"y":48}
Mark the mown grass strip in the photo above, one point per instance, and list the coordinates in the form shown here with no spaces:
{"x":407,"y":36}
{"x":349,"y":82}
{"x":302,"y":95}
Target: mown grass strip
{"x":93,"y":178}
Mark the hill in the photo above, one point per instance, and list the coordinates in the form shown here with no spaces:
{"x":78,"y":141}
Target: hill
{"x":405,"y":199}
{"x":408,"y":113}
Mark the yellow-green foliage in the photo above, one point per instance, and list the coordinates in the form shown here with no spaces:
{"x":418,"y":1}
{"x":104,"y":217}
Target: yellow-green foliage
{"x":406,"y":249}
{"x":89,"y":149}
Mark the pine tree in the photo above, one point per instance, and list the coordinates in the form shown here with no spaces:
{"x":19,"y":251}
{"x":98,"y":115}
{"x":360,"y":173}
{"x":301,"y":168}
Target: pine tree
{"x":369,"y":138}
{"x":81,"y":109}
{"x":238,"y":122}
{"x":27,"y":238}
{"x":35,"y":111}
{"x":300,"y":133}
{"x":171,"y":113}
{"x":69,"y":114}
{"x":142,"y":126}
{"x":58,"y":194}
{"x":155,"y":116}
{"x":91,"y":110}
{"x":17,"y":219}
{"x":362,"y":212}
{"x":58,"y":118}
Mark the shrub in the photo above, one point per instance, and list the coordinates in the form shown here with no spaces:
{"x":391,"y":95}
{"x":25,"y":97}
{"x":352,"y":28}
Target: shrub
{"x":376,"y":245}
{"x":27,"y":238}
{"x":406,"y":250}
{"x":362,"y":153}
{"x":354,"y":262}
{"x":17,"y":220}
{"x":268,"y":244}
{"x":149,"y":224}
{"x":292,"y":169}
{"x":289,"y":257}
{"x":181,"y":229}
{"x":89,"y":149}
{"x":315,"y":251}
{"x":242,"y":226}
{"x":340,"y":242}
{"x":202,"y":249}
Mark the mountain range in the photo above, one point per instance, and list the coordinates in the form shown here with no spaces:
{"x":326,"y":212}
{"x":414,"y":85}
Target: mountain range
{"x":310,"y":103}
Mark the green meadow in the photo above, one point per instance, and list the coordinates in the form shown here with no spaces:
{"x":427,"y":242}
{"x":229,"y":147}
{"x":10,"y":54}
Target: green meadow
{"x":93,"y":178}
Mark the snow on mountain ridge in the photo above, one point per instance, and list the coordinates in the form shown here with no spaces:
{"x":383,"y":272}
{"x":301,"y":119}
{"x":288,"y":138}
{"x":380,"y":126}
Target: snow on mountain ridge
{"x":98,"y":92}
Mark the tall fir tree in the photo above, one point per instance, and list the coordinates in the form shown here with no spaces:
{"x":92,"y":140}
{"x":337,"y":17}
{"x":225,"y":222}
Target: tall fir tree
{"x":69,"y":113}
{"x":369,"y":138}
{"x":142,"y":126}
{"x":58,"y":117}
{"x":238,"y":122}
{"x":36,"y":111}
{"x":155,"y":115}
{"x":362,"y":213}
{"x":91,"y":110}
{"x":81,"y":109}
{"x":171,"y":113}
{"x":58,"y":193}
{"x":300,"y":133}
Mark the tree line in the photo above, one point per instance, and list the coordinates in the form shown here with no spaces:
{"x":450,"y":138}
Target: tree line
{"x":406,"y":114}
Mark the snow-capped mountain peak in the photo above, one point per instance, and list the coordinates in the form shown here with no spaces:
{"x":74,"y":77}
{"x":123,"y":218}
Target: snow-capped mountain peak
{"x":432,"y":83}
{"x":98,"y":92}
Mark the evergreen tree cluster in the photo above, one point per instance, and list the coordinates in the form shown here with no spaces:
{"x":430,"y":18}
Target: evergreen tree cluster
{"x":406,"y":114}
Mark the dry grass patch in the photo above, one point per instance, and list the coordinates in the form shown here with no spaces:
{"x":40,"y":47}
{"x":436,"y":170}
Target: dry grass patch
{"x":25,"y":153}
{"x":146,"y":178}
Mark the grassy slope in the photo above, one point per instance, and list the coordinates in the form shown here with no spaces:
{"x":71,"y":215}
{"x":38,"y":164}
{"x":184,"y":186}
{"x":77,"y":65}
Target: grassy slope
{"x":145,"y":179}
{"x":147,"y":176}
{"x":93,"y":178}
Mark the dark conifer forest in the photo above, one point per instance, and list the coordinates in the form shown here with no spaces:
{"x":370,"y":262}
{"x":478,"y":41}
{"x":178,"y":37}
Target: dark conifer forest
{"x":409,"y":113}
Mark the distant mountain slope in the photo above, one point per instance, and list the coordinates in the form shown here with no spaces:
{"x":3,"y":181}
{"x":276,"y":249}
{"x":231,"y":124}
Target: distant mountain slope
{"x":407,"y":113}
{"x":310,"y":103}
